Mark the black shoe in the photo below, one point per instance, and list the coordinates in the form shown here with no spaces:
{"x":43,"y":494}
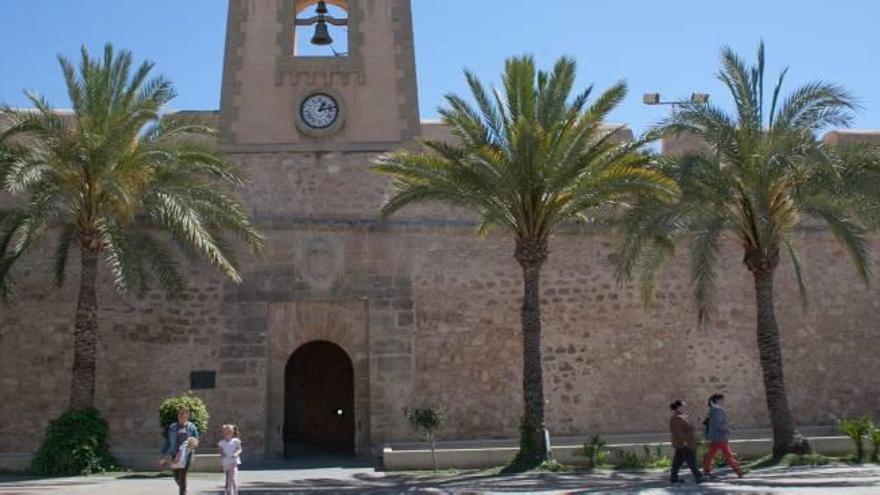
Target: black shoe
{"x":676,"y":481}
{"x":699,"y":480}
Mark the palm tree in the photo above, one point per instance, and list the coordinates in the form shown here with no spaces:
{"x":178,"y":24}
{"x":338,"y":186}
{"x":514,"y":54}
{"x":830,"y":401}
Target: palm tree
{"x":764,"y":173}
{"x":106,"y":178}
{"x":527,"y":159}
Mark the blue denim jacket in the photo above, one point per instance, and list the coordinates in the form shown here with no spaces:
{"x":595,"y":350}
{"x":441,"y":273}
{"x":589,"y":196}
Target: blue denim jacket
{"x":718,"y":429}
{"x":171,"y":446}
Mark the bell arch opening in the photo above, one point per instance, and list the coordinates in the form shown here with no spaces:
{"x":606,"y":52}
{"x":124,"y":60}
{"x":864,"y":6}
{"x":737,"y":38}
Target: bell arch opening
{"x":319,"y":415}
{"x":321,"y":29}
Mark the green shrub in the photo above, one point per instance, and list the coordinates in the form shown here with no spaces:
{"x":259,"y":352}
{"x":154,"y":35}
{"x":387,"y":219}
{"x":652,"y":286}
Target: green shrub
{"x":592,"y":450}
{"x":630,"y":461}
{"x":75,"y":444}
{"x":551,"y":466}
{"x":805,"y":460}
{"x":874,"y":435}
{"x":656,"y":459}
{"x":198,"y":413}
{"x":428,"y":422}
{"x":653,"y":459}
{"x":857,"y":429}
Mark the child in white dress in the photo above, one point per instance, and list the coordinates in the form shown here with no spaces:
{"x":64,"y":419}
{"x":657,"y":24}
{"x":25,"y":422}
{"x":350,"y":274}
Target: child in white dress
{"x":230,"y":452}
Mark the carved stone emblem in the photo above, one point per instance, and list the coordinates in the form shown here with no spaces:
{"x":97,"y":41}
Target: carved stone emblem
{"x":320,"y":263}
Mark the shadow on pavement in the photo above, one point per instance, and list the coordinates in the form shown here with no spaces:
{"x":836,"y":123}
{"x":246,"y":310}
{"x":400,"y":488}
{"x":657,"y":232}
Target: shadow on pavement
{"x":577,"y":483}
{"x":144,"y":476}
{"x":311,"y":462}
{"x":401,"y":483}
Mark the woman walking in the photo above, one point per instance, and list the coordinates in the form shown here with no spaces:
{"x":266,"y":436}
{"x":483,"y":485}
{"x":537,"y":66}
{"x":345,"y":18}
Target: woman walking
{"x":717,"y":434}
{"x":178,"y":435}
{"x":684,"y":441}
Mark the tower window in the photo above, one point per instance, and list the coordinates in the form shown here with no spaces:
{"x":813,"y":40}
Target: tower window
{"x":321,"y":29}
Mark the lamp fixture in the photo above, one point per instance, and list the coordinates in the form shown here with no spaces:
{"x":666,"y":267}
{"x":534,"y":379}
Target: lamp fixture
{"x":696,"y":99}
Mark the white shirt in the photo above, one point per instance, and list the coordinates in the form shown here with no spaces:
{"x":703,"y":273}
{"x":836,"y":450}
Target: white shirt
{"x":229,"y":449}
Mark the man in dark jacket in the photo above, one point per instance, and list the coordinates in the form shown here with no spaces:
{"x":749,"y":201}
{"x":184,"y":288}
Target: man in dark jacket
{"x":684,"y":441}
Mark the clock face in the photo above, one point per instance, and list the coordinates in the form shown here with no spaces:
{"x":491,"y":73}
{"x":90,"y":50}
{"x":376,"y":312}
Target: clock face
{"x":319,"y":111}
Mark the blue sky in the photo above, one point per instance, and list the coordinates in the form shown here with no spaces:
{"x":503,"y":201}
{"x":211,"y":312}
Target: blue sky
{"x":669,"y":47}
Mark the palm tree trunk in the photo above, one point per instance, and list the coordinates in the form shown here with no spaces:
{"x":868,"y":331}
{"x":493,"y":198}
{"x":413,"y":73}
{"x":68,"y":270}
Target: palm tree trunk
{"x":531,"y":256}
{"x":771,"y":365}
{"x":82,"y":386}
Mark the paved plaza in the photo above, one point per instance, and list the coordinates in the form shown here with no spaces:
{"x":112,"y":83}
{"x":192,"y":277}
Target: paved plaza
{"x":361,"y":480}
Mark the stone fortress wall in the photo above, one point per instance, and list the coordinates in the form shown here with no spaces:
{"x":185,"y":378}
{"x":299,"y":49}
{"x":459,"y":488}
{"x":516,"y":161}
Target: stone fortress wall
{"x":429,"y":314}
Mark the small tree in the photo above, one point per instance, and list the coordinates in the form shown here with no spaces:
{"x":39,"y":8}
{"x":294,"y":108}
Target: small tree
{"x":428,"y":422}
{"x":198,"y":412}
{"x":874,"y":435}
{"x":592,"y":450}
{"x":857,"y":429}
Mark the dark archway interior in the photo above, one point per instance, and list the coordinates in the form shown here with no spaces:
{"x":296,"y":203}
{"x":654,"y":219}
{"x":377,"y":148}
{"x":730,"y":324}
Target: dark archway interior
{"x":319,"y":401}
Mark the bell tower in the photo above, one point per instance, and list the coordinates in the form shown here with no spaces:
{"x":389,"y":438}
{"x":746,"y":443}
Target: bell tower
{"x":310,"y":75}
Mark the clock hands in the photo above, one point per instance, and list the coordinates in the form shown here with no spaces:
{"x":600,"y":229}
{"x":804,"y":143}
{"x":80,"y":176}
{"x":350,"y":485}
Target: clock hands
{"x":319,"y":111}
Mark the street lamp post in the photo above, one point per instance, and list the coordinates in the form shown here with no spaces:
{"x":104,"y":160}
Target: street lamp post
{"x":696,"y":99}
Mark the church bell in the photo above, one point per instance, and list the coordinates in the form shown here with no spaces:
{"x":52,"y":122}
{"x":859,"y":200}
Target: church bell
{"x":322,"y":33}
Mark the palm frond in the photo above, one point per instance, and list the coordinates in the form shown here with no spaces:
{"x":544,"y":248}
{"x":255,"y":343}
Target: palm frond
{"x":660,"y":250}
{"x":62,"y":251}
{"x":645,"y":221}
{"x":124,"y":260}
{"x":10,"y":222}
{"x":815,"y":106}
{"x":519,"y":88}
{"x":175,"y":213}
{"x":775,"y":101}
{"x":850,"y":234}
{"x":739,"y":80}
{"x":705,"y":246}
{"x":490,"y":113}
{"x":219,"y":210}
{"x":620,"y":182}
{"x":163,"y":264}
{"x":798,"y":265}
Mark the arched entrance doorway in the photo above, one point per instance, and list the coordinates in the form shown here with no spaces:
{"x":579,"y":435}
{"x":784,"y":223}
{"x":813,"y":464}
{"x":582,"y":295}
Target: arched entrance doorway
{"x":319,"y":401}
